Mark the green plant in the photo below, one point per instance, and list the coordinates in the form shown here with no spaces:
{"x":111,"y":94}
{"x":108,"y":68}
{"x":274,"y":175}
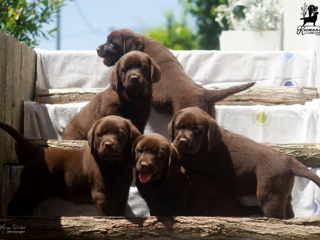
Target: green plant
{"x":208,"y":30}
{"x":258,"y":15}
{"x":24,"y":19}
{"x":174,"y":34}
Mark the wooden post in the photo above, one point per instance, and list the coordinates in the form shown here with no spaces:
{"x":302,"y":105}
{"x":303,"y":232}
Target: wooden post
{"x":17,"y":80}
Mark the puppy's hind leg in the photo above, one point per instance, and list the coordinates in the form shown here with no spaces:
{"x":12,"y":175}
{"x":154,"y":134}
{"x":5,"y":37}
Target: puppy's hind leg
{"x":289,"y":210}
{"x":25,"y":200}
{"x":273,"y":194}
{"x":33,"y":189}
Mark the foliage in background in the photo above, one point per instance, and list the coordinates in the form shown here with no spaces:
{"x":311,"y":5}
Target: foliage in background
{"x":258,"y":15}
{"x":175,"y":35}
{"x":24,"y":19}
{"x":204,"y":12}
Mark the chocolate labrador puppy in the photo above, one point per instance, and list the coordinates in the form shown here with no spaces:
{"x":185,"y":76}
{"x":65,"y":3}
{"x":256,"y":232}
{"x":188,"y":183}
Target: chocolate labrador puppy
{"x":99,"y":174}
{"x":236,"y":163}
{"x":129,"y":96}
{"x":176,"y":90}
{"x":169,"y":190}
{"x":205,"y":198}
{"x":159,"y":179}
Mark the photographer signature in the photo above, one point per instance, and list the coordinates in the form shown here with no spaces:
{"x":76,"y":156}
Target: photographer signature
{"x":12,"y":229}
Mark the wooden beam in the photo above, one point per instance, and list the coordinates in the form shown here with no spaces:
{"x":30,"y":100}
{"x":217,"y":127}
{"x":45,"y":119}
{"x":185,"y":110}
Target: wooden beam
{"x":161,"y":228}
{"x":306,"y":153}
{"x":254,"y":95}
{"x":272,"y":96}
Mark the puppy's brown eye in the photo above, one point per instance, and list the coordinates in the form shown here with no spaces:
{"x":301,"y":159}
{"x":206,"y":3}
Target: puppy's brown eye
{"x":139,"y":151}
{"x":120,"y":134}
{"x":100,"y":134}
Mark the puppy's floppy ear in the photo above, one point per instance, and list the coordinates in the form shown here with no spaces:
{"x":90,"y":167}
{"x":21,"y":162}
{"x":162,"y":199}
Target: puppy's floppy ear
{"x":91,"y":139}
{"x":134,"y":132}
{"x":132,"y":43}
{"x":171,"y":129}
{"x":133,"y":140}
{"x":155,"y":72}
{"x":214,"y":134}
{"x":115,"y":79}
{"x":133,"y":150}
{"x":174,"y":164}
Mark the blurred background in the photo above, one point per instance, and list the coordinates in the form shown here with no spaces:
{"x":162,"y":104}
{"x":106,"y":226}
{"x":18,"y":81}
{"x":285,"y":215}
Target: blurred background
{"x":179,"y":24}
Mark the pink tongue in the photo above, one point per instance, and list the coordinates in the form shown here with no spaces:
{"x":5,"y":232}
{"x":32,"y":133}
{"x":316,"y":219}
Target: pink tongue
{"x":144,"y":177}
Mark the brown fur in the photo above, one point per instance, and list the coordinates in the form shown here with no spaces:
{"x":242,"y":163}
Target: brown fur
{"x":236,"y":163}
{"x":159,"y":179}
{"x":99,"y":174}
{"x":129,"y":96}
{"x":205,"y":198}
{"x":176,"y":90}
{"x":169,"y":191}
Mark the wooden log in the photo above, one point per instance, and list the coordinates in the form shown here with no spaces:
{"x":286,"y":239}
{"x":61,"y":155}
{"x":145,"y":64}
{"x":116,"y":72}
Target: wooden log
{"x":306,"y":153}
{"x":67,"y":95}
{"x":254,"y":95}
{"x":272,"y":96}
{"x":161,"y":228}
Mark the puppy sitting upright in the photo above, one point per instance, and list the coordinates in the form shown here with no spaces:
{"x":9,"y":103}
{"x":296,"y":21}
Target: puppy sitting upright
{"x":236,"y":163}
{"x":99,"y":174}
{"x":159,"y":179}
{"x":129,"y":96}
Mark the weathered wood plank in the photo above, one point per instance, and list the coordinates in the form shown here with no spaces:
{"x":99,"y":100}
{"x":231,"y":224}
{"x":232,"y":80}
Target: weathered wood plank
{"x":160,"y":228}
{"x":3,"y":63}
{"x":16,"y":104}
{"x":306,"y":153}
{"x":28,"y":68}
{"x":272,"y":96}
{"x":8,"y":91}
{"x":254,"y":95}
{"x":55,"y":96}
{"x":3,"y":137}
{"x":27,"y":84}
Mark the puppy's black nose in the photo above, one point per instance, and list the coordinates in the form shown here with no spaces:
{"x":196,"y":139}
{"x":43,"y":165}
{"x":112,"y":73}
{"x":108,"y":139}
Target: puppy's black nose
{"x":108,"y":145}
{"x":99,"y":49}
{"x":183,"y":141}
{"x":144,"y":165}
{"x":134,"y":79}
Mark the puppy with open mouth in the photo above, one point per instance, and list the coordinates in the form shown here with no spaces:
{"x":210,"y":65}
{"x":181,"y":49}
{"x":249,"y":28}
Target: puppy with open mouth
{"x":159,"y":179}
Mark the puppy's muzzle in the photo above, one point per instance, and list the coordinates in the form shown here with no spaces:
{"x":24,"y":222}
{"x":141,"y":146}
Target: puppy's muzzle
{"x":185,"y":145}
{"x":135,"y":84}
{"x":109,"y":150}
